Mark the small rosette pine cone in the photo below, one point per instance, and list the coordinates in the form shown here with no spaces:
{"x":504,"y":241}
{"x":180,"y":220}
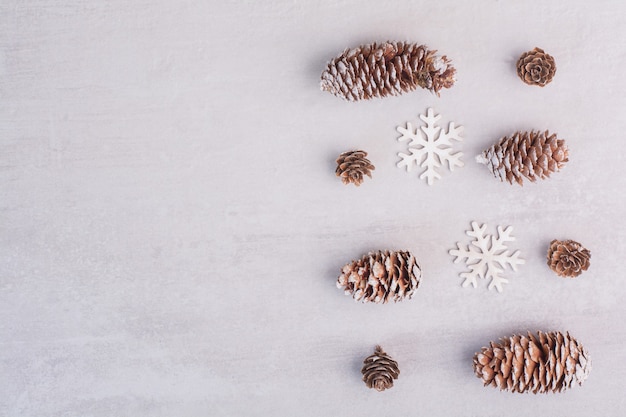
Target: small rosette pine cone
{"x":379,"y":370}
{"x":542,"y":363}
{"x":568,"y":258}
{"x":529,"y":155}
{"x":380,"y":277}
{"x":353,"y":166}
{"x":386,"y":69}
{"x":536,"y":67}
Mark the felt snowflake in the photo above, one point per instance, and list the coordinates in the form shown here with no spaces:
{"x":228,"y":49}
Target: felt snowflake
{"x":430,"y":146}
{"x":487,"y":256}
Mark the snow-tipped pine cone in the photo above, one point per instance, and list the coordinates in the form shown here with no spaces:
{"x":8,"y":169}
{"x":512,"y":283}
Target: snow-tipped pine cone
{"x":568,"y":258}
{"x":531,"y":155}
{"x":542,"y":363}
{"x":536,"y":67}
{"x":353,"y":166}
{"x":379,"y":370}
{"x":386,"y":69}
{"x":380,"y":277}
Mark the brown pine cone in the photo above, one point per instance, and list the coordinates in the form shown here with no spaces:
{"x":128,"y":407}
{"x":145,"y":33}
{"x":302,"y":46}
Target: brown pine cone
{"x":379,"y":370}
{"x":352,"y":166}
{"x":536,"y":67}
{"x":568,"y":258}
{"x":525,"y":154}
{"x":386,"y":69}
{"x":380,"y":277}
{"x":542,"y":363}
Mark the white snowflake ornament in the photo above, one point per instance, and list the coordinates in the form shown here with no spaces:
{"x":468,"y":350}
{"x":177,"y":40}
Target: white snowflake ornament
{"x":430,"y":147}
{"x":487,"y":256}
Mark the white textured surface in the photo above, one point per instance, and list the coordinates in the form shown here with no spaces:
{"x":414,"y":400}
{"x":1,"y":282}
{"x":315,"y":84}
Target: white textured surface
{"x":172,"y":229}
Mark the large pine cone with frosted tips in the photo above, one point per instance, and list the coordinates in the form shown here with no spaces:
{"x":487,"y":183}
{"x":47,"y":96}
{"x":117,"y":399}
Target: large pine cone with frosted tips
{"x":542,"y":363}
{"x":379,"y":370}
{"x":380,"y":277}
{"x":386,"y":69}
{"x":353,"y":166}
{"x":568,"y":258}
{"x":529,"y":155}
{"x":536,"y":67}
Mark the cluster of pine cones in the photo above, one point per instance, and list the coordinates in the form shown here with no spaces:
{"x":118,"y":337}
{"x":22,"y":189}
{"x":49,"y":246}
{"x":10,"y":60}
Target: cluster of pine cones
{"x":544,"y":362}
{"x":392,"y":68}
{"x":538,"y":363}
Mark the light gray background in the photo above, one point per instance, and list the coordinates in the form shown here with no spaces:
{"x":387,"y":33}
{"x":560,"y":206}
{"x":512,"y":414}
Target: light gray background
{"x":172,"y":229}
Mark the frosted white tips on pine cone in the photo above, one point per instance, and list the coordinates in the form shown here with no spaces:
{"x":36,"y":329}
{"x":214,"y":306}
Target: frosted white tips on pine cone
{"x":379,"y":370}
{"x":353,"y":166}
{"x":380,"y":277}
{"x":386,"y":69}
{"x":568,"y":258}
{"x":529,"y":155}
{"x":541,"y":363}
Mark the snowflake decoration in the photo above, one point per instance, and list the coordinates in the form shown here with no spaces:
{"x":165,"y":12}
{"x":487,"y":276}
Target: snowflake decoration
{"x":487,"y":256}
{"x":431,"y":148}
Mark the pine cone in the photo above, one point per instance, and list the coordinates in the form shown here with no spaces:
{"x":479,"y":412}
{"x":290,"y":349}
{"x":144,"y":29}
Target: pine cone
{"x":551,"y":362}
{"x":381,"y":277}
{"x":386,"y":69}
{"x":568,"y":258}
{"x":536,"y":67}
{"x":379,"y":370}
{"x":352,"y":166}
{"x":525,"y":154}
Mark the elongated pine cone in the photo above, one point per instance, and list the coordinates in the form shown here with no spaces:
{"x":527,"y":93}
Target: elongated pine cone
{"x":536,"y":67}
{"x":379,"y":370}
{"x":525,"y":154}
{"x":568,"y":258}
{"x":548,"y":362}
{"x":380,"y":277}
{"x":386,"y":69}
{"x":352,"y":166}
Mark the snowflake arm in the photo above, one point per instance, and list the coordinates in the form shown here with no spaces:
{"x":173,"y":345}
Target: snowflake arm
{"x":453,"y":133}
{"x":408,"y":160}
{"x":476,"y":269}
{"x":407,"y":133}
